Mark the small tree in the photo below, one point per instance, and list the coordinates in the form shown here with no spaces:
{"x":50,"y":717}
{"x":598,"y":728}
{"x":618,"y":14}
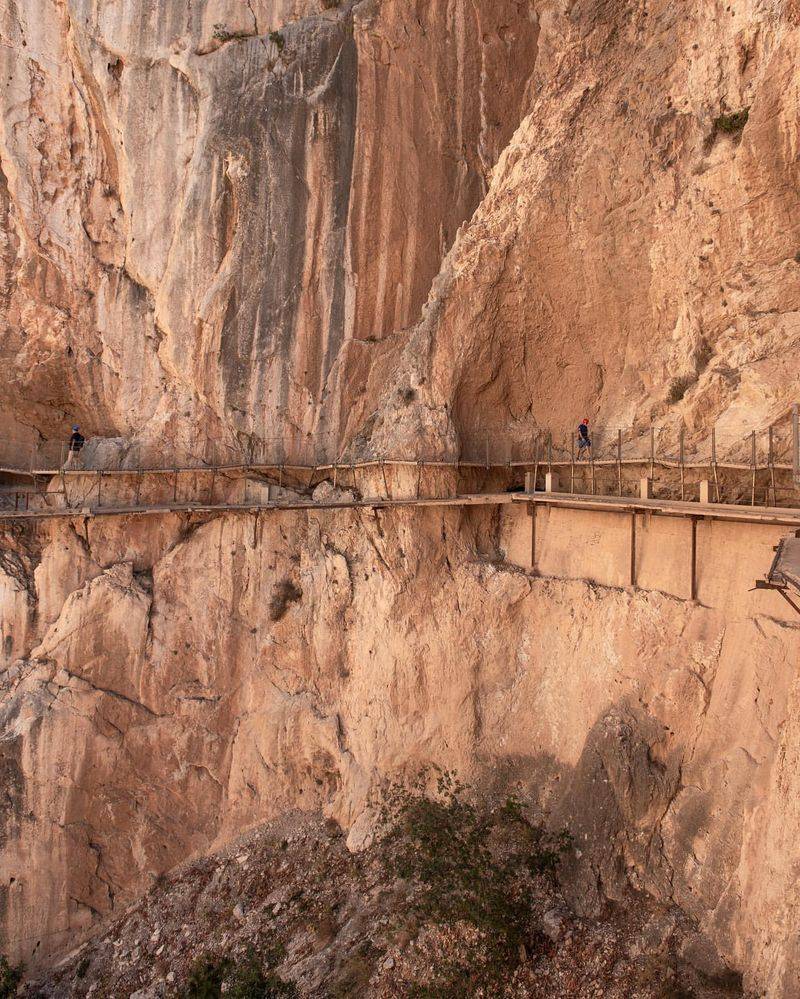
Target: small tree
{"x":10,"y":977}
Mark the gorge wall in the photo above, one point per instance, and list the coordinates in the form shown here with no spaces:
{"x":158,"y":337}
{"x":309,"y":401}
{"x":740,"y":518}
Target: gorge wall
{"x":396,"y":223}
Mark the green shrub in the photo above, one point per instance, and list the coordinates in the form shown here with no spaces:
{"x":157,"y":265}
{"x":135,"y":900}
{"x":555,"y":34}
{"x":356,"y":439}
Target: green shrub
{"x":245,"y":980}
{"x":732,"y":123}
{"x":678,"y":388}
{"x":467,"y":865}
{"x":10,"y":977}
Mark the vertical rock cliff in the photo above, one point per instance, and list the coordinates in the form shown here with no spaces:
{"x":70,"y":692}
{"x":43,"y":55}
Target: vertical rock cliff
{"x":407,"y":223}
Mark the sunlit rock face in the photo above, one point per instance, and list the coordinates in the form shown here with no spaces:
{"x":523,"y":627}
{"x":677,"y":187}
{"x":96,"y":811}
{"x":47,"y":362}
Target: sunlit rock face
{"x":211,"y":213}
{"x":407,"y":224}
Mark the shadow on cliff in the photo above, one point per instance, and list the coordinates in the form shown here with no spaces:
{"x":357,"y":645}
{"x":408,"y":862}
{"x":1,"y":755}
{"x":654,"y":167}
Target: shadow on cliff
{"x":613,"y":802}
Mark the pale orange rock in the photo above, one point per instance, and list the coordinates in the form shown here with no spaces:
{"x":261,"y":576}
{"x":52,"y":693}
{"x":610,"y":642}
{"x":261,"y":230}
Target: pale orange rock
{"x":408,"y":225}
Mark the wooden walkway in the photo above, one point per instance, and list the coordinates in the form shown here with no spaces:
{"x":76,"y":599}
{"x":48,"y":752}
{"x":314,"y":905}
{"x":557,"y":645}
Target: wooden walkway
{"x":740,"y":514}
{"x":159,"y":509}
{"x":780,"y":516}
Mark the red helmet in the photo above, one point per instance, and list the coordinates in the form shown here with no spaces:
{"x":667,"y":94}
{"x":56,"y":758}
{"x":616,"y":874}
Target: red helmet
{"x":586,"y":420}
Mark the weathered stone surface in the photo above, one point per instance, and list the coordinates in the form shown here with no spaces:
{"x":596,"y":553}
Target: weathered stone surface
{"x":205,"y":212}
{"x":408,"y":222}
{"x":254,"y":665}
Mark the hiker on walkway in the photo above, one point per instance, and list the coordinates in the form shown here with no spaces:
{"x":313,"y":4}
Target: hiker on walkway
{"x":584,"y":440}
{"x":76,"y":442}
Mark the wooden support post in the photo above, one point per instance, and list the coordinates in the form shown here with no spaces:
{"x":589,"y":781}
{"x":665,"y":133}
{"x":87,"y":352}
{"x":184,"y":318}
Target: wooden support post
{"x":536,"y":465}
{"x":619,"y":463}
{"x":693,"y":586}
{"x":683,"y":468}
{"x":753,"y":464}
{"x":530,"y":483}
{"x":572,"y":465}
{"x":533,"y":537}
{"x":646,"y":488}
{"x":549,"y":452}
{"x":705,"y":491}
{"x":633,"y":549}
{"x":714,"y":460}
{"x":796,"y":443}
{"x":385,"y":483}
{"x":652,"y":451}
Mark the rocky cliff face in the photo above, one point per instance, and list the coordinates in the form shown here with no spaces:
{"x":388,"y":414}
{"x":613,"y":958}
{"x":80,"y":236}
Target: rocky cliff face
{"x":213,"y":215}
{"x":409,"y":221}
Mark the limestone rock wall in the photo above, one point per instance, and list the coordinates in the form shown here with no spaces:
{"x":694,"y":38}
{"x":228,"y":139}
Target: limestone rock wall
{"x":628,"y":240}
{"x":207,"y":209}
{"x":184,"y":682}
{"x":404,"y":223}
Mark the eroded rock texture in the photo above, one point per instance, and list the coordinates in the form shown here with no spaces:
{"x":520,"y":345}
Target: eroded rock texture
{"x":213,"y":212}
{"x":407,"y":222}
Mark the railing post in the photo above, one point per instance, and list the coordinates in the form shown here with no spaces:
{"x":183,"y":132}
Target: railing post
{"x":619,"y":462}
{"x":549,"y":451}
{"x":682,"y":461}
{"x":753,"y":465}
{"x":796,"y":442}
{"x":652,"y":451}
{"x":385,"y":483}
{"x":771,"y":460}
{"x":572,"y":463}
{"x":714,"y":459}
{"x":487,"y":449}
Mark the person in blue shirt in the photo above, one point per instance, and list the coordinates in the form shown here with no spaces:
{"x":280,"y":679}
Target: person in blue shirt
{"x":74,"y":448}
{"x":584,"y":440}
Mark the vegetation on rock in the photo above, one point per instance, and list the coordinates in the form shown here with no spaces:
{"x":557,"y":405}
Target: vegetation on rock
{"x":732,"y":123}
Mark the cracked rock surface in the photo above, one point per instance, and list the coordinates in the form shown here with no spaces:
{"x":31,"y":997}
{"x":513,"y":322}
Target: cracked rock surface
{"x":404,"y":224}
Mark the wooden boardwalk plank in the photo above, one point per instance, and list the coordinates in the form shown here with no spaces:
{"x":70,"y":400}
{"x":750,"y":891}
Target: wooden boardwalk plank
{"x":783,"y":516}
